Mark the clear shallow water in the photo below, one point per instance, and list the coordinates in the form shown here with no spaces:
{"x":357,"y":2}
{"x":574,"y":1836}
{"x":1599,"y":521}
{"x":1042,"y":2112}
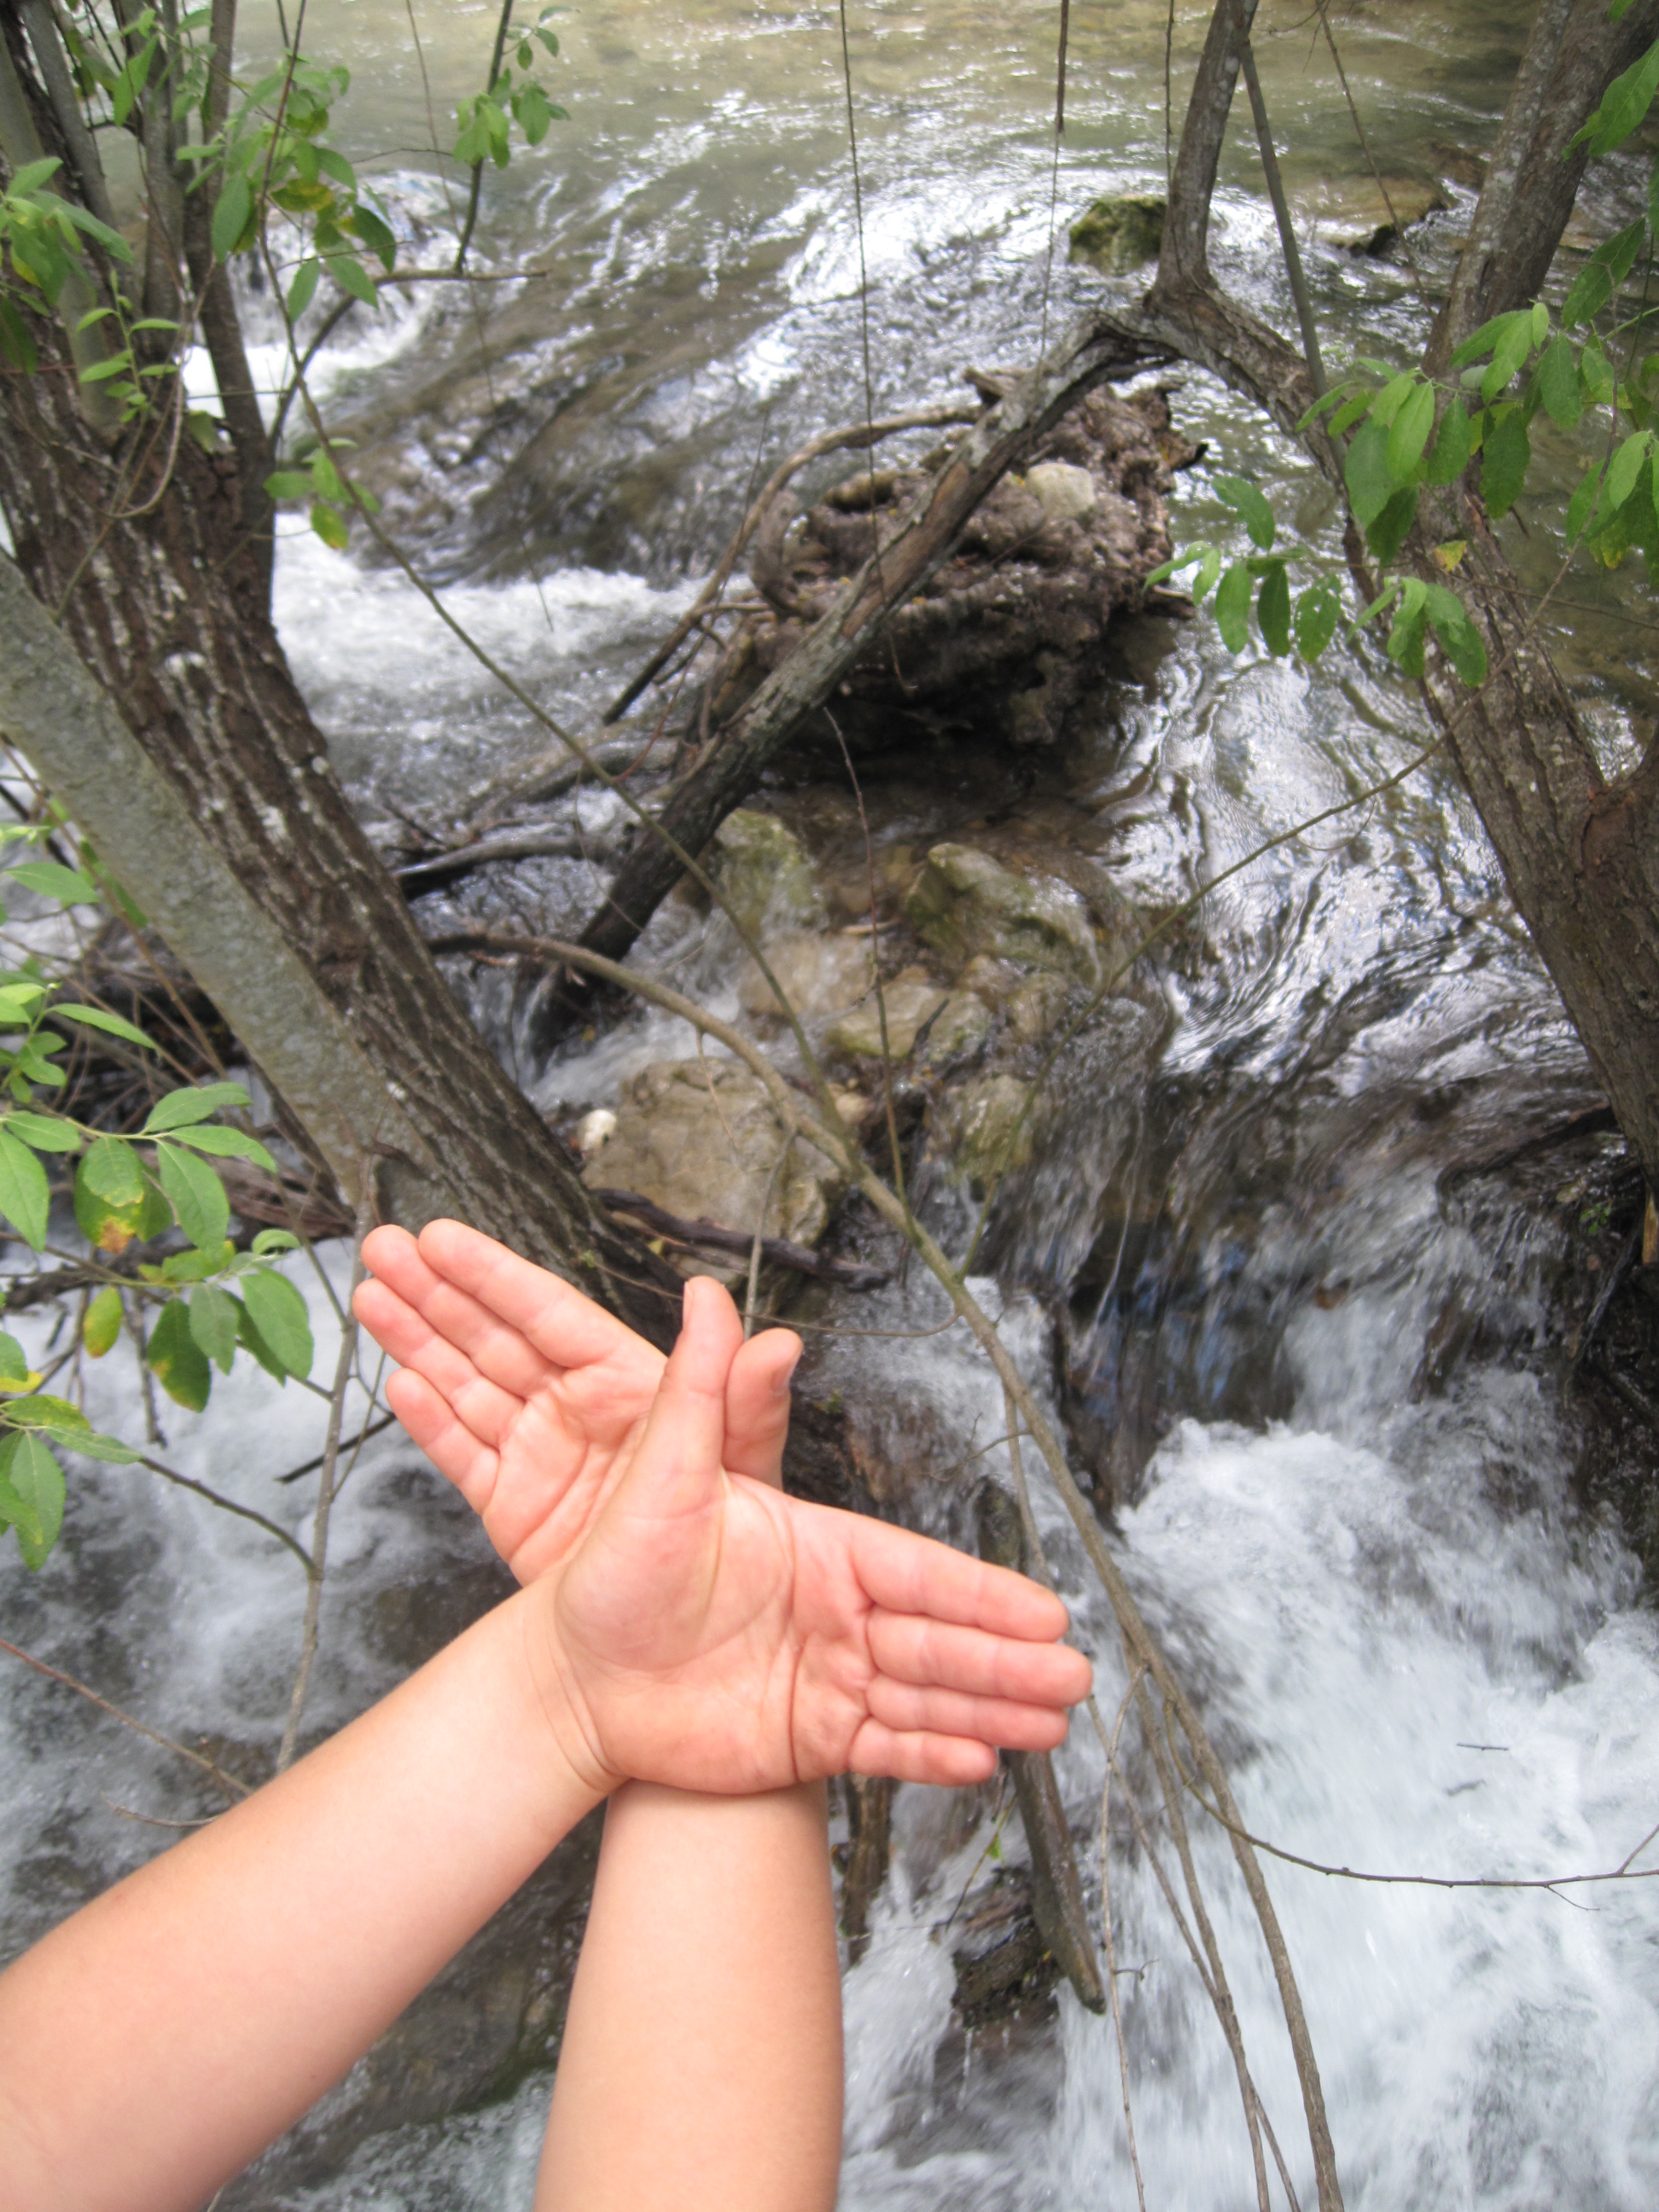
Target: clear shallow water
{"x":1357,"y":1586}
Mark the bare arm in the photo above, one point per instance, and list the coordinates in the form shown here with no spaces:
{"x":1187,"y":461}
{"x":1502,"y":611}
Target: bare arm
{"x":158,"y":2039}
{"x":701,"y":2058}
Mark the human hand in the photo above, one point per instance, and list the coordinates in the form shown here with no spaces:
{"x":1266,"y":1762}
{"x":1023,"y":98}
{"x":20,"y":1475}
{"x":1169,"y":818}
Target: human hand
{"x":526,"y":1394}
{"x":708,"y":1632}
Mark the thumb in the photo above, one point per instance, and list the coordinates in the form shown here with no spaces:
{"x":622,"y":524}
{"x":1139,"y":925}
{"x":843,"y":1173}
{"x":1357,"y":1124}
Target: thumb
{"x":676,"y":1468}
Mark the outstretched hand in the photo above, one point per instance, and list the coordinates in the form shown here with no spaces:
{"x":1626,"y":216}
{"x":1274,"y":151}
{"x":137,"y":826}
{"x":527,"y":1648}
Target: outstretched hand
{"x":526,"y":1394}
{"x":703,"y":1629}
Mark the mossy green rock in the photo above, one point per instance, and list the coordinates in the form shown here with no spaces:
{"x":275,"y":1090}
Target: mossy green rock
{"x":965,"y":903}
{"x":1119,"y":233}
{"x":764,"y":875}
{"x":909,"y":1005}
{"x":959,"y":1028}
{"x":990,"y":1134}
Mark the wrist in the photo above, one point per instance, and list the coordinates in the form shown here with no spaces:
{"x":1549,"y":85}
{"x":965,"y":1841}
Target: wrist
{"x":575,"y":1756}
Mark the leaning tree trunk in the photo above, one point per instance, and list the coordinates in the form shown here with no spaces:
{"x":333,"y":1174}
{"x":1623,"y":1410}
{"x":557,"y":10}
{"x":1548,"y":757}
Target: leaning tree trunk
{"x":163,"y":595}
{"x":1579,"y":851}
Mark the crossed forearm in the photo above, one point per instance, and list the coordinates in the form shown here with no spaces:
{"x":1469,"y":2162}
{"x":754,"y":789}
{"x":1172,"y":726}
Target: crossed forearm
{"x":160,"y":2038}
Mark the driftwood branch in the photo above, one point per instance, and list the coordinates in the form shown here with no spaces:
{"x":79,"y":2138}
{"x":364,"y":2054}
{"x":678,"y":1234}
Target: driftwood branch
{"x":856,"y":435}
{"x":1090,"y":355}
{"x":800,"y":1258}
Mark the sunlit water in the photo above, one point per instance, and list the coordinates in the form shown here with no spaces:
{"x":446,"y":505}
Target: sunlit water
{"x":1418,"y":1654}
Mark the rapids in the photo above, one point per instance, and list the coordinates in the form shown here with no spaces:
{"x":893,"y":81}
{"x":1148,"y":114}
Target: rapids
{"x":1417,"y":1647}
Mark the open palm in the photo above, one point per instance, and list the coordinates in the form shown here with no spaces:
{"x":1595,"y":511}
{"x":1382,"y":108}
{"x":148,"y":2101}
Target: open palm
{"x":526,"y":1394}
{"x":709,"y":1632}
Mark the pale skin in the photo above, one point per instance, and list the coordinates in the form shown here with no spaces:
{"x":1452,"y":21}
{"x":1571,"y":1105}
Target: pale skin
{"x":692,"y":1629}
{"x":711,"y":1909}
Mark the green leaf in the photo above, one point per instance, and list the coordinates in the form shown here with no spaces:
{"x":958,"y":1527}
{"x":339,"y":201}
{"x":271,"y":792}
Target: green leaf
{"x":377,"y":235}
{"x":300,"y":292}
{"x":1558,"y":383}
{"x":95,"y":1017}
{"x":178,"y":1361}
{"x":1506,"y":455}
{"x":1208,"y":570}
{"x":181,"y":1107}
{"x":43,"y":1134}
{"x":33,"y":174}
{"x":279,"y":1314}
{"x":1583,"y":504}
{"x":1337,"y":396}
{"x":275,"y":1240}
{"x":1273,"y":607}
{"x":67,"y":886}
{"x":1318,"y":610}
{"x":1480,"y":341}
{"x":531,"y":106}
{"x":213,"y":1323}
{"x":109,"y":1224}
{"x":14,"y":1366}
{"x":349,"y":274}
{"x":33,"y":1496}
{"x":329,"y":525}
{"x":289,"y":483}
{"x":1248,"y":503}
{"x":1624,"y":105}
{"x":1387,"y":533}
{"x":111,"y":1171}
{"x":1365,"y":472}
{"x":232,"y":213}
{"x":102,"y":1325}
{"x":25,"y":1199}
{"x":197,"y":1194}
{"x":1409,"y":432}
{"x":1233,"y":607}
{"x":1509,"y":355}
{"x":1448,"y":456}
{"x":1601,"y":275}
{"x":1596,"y":378}
{"x":1459,"y":637}
{"x":92,"y":1443}
{"x":1624,"y":467}
{"x":228,"y":1145}
{"x":1393,"y":397}
{"x":251,"y":1341}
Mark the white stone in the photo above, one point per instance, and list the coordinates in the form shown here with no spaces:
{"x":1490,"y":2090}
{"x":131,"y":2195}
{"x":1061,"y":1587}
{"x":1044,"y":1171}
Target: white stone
{"x":594,"y":1130}
{"x":1065,"y":492}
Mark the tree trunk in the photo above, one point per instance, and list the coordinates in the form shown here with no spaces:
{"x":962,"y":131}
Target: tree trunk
{"x":163,"y":598}
{"x":1580,"y":855}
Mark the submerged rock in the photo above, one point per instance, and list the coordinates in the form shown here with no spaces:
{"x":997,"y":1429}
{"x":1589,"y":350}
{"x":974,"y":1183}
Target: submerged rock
{"x":988,"y":1130}
{"x":1119,"y":233}
{"x":701,"y":1139}
{"x":909,"y":1003}
{"x":764,"y":873}
{"x":965,"y":903}
{"x":820,"y":975}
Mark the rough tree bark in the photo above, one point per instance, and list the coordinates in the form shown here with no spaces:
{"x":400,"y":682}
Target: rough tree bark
{"x":162,"y":593}
{"x":1579,"y":850}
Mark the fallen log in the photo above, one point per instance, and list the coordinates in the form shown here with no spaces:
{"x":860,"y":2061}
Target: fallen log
{"x":857,"y":610}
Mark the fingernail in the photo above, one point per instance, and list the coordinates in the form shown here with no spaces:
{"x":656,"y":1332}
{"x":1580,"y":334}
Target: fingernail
{"x":781,"y":1382}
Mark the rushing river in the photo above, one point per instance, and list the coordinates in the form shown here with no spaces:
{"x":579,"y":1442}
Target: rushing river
{"x":1417,"y":1650}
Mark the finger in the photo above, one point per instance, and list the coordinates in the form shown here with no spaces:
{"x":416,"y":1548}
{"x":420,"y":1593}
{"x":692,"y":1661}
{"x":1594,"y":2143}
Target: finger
{"x":677,"y":1467}
{"x":758,"y":1405}
{"x":487,"y":1410}
{"x":503,"y":1353}
{"x":448,"y":1443}
{"x":951,"y":1761}
{"x":933,"y":1653}
{"x":911,"y":1709}
{"x":907,"y":1573}
{"x":563,"y":1326}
